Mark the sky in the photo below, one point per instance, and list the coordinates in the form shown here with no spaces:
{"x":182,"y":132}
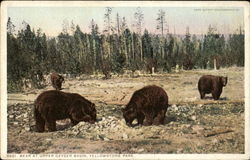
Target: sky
{"x":50,"y":19}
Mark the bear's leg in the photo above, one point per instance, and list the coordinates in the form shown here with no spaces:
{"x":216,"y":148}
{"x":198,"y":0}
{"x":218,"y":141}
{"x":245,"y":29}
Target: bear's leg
{"x":57,"y":84}
{"x":60,"y":86}
{"x":159,"y":119}
{"x":51,"y":124}
{"x":40,"y":122}
{"x":202,"y":94}
{"x":149,"y":119}
{"x":140,"y":118}
{"x":74,"y":122}
{"x":56,"y":87}
{"x":53,"y":84}
{"x":215,"y":95}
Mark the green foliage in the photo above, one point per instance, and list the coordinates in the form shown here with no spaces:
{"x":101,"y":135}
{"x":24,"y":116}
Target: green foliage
{"x":31,"y":55}
{"x":118,"y":63}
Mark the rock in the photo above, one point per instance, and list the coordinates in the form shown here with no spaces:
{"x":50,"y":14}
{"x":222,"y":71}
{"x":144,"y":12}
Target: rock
{"x":124,"y":136}
{"x":27,"y":128}
{"x":193,"y":117}
{"x":75,"y":132}
{"x":113,"y":125}
{"x":25,"y":115}
{"x":24,"y":152}
{"x":162,"y":131}
{"x":18,"y":117}
{"x":197,"y":129}
{"x":11,"y":116}
{"x":82,"y":123}
{"x":180,"y":150}
{"x":133,"y":149}
{"x":102,"y":137}
{"x":137,"y":150}
{"x":175,"y":108}
{"x":98,"y":137}
{"x":106,"y":139}
{"x":15,"y":123}
{"x":48,"y":139}
{"x":215,"y":141}
{"x":140,"y":150}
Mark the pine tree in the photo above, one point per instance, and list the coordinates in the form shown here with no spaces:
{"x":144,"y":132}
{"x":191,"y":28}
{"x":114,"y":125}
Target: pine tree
{"x":139,"y":17}
{"x":161,"y":22}
{"x":10,"y":27}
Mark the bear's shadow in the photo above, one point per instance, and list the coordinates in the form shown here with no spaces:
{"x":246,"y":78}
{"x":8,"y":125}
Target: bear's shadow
{"x":63,"y":124}
{"x":211,"y":98}
{"x":167,"y":120}
{"x":60,"y":126}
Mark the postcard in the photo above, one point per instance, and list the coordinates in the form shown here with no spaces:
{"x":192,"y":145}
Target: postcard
{"x":124,"y":80}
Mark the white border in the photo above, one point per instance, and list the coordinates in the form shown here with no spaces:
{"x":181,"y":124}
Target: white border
{"x":3,"y":71}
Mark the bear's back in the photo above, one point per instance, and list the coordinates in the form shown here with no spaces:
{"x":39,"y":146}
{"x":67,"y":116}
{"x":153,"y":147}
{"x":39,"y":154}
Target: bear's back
{"x":150,"y":95}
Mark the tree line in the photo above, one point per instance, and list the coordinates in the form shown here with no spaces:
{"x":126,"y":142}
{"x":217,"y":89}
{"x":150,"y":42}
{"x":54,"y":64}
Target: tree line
{"x":31,"y":54}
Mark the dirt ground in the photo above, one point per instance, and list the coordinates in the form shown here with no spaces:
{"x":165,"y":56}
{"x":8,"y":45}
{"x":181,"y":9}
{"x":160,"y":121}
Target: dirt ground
{"x":191,"y":126}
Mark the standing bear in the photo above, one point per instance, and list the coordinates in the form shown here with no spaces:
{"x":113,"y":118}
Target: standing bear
{"x":56,"y":81}
{"x":57,"y":105}
{"x":150,"y":103}
{"x":211,"y":84}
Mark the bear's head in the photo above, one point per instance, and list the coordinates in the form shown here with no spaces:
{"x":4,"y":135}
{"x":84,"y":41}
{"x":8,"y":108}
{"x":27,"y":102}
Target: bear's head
{"x":80,"y":110}
{"x":129,"y":114}
{"x":223,"y":81}
{"x":92,"y":111}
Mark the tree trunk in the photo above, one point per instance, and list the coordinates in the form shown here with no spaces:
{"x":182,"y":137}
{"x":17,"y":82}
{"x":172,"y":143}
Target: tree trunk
{"x":141,"y":49}
{"x":133,"y":51}
{"x":215,"y":67}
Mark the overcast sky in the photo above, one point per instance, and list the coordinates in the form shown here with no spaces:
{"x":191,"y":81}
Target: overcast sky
{"x":50,"y":19}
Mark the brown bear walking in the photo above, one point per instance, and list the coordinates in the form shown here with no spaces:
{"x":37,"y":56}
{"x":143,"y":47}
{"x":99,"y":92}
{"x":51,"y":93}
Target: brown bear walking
{"x":211,"y":84}
{"x":150,"y":103}
{"x":56,"y":105}
{"x":56,"y":81}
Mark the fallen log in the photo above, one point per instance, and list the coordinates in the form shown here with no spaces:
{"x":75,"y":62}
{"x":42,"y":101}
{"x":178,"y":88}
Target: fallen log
{"x":216,"y":132}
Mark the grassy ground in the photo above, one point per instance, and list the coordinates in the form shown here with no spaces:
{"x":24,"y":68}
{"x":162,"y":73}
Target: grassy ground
{"x":192,"y":125}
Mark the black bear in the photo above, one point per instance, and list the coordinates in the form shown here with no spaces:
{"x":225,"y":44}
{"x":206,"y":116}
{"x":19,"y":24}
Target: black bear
{"x":149,"y":103}
{"x":57,"y":105}
{"x":56,"y":81}
{"x":211,"y":84}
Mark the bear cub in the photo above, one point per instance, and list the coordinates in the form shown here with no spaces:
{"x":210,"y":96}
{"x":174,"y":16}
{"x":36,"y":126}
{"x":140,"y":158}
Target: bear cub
{"x":56,"y":80}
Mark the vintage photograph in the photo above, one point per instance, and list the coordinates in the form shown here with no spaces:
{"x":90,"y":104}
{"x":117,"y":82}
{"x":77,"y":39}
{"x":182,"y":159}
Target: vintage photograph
{"x":123,"y":78}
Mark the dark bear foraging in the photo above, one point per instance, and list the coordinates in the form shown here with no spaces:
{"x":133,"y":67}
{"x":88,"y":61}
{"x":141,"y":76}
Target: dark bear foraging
{"x":150,"y":103}
{"x":57,"y":105}
{"x":56,"y":81}
{"x":211,"y":84}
